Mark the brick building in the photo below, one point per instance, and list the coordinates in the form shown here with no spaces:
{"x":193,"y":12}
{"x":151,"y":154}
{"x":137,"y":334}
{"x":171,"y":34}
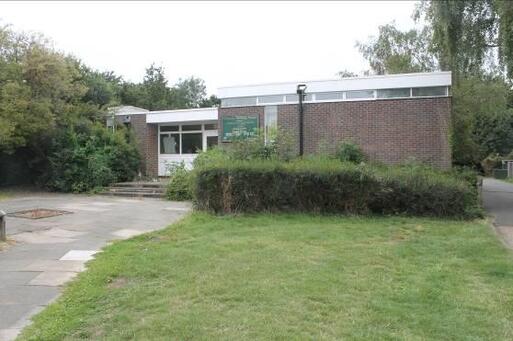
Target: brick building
{"x":394,"y":118}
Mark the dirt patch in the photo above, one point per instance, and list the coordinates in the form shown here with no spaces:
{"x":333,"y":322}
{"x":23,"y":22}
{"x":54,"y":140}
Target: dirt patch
{"x":117,"y":283}
{"x":37,"y":213}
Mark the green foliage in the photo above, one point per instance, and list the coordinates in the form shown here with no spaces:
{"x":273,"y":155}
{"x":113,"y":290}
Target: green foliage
{"x":329,"y":186}
{"x":350,"y":152}
{"x":87,"y":156}
{"x":395,"y":51}
{"x":179,"y":186}
{"x":280,"y":145}
{"x":490,"y":163}
{"x":155,"y":93}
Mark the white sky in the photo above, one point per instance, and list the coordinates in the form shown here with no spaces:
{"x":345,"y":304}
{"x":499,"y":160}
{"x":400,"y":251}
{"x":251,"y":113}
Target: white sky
{"x":224,"y":43}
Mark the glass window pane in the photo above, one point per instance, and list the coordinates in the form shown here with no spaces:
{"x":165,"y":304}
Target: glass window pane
{"x":270,"y":99}
{"x":270,"y":121}
{"x":292,"y":98}
{"x":169,"y":144}
{"x":211,"y":141}
{"x":190,"y":127}
{"x":211,"y":126}
{"x":308,"y":97}
{"x":325,"y":96}
{"x":393,"y":93}
{"x":238,"y":101}
{"x":168,"y":128}
{"x":360,"y":94}
{"x":192,"y":143}
{"x":429,"y":91}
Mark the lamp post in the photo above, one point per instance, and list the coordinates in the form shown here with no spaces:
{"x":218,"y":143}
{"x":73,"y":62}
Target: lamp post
{"x":301,"y":94}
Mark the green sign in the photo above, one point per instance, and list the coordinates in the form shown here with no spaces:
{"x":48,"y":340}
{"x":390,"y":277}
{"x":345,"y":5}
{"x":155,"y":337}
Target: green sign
{"x":236,"y":127}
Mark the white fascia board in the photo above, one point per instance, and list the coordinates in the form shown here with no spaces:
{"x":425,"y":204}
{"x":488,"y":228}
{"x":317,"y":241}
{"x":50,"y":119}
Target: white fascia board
{"x":409,"y":80}
{"x":188,"y":115}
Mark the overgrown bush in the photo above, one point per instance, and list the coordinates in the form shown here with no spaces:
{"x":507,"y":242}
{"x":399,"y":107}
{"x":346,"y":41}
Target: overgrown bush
{"x":179,"y":186}
{"x":350,"y":152}
{"x":329,"y":186}
{"x":88,"y":156}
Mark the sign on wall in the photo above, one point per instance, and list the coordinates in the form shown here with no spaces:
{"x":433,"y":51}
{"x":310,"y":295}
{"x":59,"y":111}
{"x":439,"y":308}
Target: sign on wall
{"x":235,"y":127}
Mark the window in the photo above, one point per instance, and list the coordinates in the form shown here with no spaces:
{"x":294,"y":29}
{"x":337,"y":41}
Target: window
{"x":430,"y":91}
{"x":270,"y":99}
{"x":325,"y":96}
{"x":169,"y":128}
{"x":308,"y":97}
{"x":270,"y":121}
{"x":191,"y":127}
{"x":292,"y":98}
{"x":192,"y":143}
{"x":394,"y":93}
{"x":360,"y":94}
{"x":211,"y":141}
{"x":169,"y":143}
{"x":238,"y":102}
{"x":212,"y":126}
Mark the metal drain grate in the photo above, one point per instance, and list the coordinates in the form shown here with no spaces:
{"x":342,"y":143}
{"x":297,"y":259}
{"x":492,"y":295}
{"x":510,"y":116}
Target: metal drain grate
{"x":37,"y":213}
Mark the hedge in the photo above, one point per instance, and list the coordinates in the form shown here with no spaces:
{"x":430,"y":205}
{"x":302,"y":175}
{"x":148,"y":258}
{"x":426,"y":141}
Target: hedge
{"x":331,"y":187}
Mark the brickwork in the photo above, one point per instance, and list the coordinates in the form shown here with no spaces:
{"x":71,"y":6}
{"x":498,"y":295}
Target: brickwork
{"x":146,"y":141}
{"x":389,"y":131}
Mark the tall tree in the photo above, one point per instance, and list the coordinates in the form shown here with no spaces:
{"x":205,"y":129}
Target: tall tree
{"x":155,"y":88}
{"x":395,"y":51}
{"x":470,"y":36}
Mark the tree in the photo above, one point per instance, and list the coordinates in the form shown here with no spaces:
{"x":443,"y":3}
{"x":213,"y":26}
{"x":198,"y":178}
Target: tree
{"x":156,"y":91}
{"x":394,"y":51}
{"x":346,"y":74}
{"x":471,"y":36}
{"x":188,"y":93}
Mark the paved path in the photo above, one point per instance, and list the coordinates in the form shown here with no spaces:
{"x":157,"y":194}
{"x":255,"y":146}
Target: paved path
{"x":46,"y":253}
{"x":498,"y":201}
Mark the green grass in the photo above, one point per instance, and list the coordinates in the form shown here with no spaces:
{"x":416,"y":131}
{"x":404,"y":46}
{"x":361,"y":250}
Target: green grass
{"x":4,"y":196}
{"x":292,"y":277}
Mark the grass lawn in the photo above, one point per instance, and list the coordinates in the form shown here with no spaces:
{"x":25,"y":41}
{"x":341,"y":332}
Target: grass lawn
{"x":3,"y":196}
{"x":292,"y":277}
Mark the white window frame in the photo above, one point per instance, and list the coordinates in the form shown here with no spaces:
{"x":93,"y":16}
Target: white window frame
{"x":180,"y":132}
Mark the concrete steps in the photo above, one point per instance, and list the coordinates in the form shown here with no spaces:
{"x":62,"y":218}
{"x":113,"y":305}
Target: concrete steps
{"x":137,"y":189}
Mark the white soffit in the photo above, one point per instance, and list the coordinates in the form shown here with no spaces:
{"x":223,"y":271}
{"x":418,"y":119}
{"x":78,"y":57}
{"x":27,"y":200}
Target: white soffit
{"x":407,"y":80}
{"x":186,"y":115}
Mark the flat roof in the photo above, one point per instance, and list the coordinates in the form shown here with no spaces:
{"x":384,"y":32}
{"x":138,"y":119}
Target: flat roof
{"x":182,"y":115}
{"x":403,"y":80}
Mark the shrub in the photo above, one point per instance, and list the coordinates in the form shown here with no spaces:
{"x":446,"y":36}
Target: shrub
{"x":179,"y":186}
{"x":88,"y":156}
{"x":491,"y":162}
{"x":350,"y":152}
{"x":328,"y":186}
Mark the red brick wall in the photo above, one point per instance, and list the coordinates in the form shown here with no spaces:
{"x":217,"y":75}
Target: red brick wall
{"x":146,"y":140}
{"x":390,"y":131}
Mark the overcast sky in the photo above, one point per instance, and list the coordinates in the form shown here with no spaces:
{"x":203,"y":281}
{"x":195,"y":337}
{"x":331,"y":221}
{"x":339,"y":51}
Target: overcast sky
{"x":225,"y":43}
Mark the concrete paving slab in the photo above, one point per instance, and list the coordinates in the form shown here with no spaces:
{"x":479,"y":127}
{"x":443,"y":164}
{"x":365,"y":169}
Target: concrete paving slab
{"x":62,"y":233}
{"x":9,"y":334}
{"x":27,"y":295}
{"x":91,"y":226}
{"x":39,"y":238}
{"x":52,"y":278}
{"x":55,"y":265}
{"x":12,"y":278}
{"x":126,"y":233}
{"x":80,"y":255}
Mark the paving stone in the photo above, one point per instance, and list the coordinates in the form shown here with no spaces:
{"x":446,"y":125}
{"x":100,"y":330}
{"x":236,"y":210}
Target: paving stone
{"x":12,"y":278}
{"x":52,"y":278}
{"x":27,"y":295}
{"x":39,"y":238}
{"x":127,"y":233}
{"x":9,"y":334}
{"x":62,"y":233}
{"x":81,"y":255}
{"x":56,"y":265}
